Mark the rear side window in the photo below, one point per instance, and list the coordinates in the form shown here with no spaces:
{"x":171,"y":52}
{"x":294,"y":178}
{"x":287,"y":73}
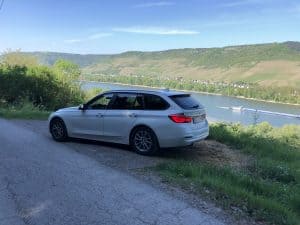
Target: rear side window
{"x":154,"y":102}
{"x":127,"y":101}
{"x":186,"y":101}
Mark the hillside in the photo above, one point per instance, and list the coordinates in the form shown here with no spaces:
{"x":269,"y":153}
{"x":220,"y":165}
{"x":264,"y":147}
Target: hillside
{"x":49,"y":58}
{"x":267,"y":64}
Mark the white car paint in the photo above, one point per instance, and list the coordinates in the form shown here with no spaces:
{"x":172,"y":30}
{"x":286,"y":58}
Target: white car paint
{"x":113,"y":125}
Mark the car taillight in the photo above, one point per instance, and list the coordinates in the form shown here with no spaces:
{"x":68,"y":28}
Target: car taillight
{"x":180,"y":118}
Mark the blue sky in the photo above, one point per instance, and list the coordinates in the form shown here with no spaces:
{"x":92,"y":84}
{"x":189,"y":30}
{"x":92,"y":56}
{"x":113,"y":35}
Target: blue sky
{"x":111,"y":26}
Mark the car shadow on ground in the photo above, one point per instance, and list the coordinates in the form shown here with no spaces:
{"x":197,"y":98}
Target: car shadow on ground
{"x":124,"y":157}
{"x":167,"y":153}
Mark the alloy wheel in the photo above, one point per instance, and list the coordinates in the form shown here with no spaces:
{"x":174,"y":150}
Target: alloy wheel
{"x":58,"y":130}
{"x":143,"y":140}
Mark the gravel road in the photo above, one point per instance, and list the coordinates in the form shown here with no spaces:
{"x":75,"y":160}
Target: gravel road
{"x":45,"y":182}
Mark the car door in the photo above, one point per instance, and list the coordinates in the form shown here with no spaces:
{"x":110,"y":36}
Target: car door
{"x":120,"y":117}
{"x":89,"y":122}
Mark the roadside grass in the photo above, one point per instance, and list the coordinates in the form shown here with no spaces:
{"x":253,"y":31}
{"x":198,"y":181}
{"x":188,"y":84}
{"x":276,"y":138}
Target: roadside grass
{"x":267,"y":189}
{"x":24,"y":111}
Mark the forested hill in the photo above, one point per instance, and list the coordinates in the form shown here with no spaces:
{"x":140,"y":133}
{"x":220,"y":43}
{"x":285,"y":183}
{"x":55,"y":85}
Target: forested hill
{"x":267,"y":64}
{"x":49,"y":58}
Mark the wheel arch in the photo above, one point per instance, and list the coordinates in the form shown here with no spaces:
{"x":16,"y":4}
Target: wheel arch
{"x":56,"y":117}
{"x":138,"y":126}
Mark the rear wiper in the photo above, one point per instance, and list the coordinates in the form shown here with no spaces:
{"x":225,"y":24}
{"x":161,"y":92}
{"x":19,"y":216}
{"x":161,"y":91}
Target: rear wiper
{"x":195,"y":106}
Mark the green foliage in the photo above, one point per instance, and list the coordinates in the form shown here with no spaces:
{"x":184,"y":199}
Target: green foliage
{"x":280,"y":144}
{"x":91,"y":93}
{"x":13,"y":58}
{"x":66,"y":70}
{"x":43,"y":86}
{"x":273,"y":202}
{"x":268,"y":188}
{"x":277,"y":149}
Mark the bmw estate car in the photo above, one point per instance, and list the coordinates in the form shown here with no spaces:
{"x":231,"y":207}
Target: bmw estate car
{"x":144,"y":119}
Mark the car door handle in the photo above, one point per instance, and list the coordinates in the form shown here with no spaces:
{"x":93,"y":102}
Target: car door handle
{"x":132,"y":115}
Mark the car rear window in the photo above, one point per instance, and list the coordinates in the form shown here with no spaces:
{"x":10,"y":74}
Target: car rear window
{"x":186,"y":101}
{"x":154,"y":102}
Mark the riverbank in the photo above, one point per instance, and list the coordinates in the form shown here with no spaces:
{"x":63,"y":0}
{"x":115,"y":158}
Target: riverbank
{"x":198,"y":92}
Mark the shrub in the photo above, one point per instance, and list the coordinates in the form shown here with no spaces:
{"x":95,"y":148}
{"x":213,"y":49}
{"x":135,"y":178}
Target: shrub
{"x":40,"y":85}
{"x":91,"y":93}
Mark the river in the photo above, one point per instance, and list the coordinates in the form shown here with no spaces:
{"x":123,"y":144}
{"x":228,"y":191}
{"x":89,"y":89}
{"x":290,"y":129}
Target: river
{"x":227,"y":109}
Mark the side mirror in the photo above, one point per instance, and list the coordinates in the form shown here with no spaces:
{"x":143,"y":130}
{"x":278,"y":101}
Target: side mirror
{"x":82,"y":107}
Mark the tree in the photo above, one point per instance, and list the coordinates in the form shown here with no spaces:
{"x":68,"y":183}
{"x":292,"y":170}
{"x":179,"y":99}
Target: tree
{"x":67,"y":70}
{"x":17,"y":58}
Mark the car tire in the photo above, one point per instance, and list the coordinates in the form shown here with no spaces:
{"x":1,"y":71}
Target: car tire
{"x":143,"y":140}
{"x":58,"y":130}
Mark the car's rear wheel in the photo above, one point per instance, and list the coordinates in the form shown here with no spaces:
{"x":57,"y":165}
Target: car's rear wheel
{"x":144,"y":141}
{"x":58,"y":130}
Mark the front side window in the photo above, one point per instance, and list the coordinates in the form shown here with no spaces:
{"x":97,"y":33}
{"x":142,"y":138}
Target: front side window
{"x":100,"y":103}
{"x":127,"y":101}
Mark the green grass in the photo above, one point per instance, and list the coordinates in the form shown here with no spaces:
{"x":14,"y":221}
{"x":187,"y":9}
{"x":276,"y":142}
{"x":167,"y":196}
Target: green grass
{"x":25,"y":111}
{"x":267,"y":189}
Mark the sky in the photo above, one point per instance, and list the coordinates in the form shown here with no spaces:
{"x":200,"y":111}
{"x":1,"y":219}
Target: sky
{"x":114,"y":26}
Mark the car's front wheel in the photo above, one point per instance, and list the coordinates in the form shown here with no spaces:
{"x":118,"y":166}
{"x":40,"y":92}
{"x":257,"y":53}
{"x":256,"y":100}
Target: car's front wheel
{"x":144,"y":141}
{"x":58,"y":130}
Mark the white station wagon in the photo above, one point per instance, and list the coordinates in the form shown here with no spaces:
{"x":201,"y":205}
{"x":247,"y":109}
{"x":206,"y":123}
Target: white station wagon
{"x":145,"y":119}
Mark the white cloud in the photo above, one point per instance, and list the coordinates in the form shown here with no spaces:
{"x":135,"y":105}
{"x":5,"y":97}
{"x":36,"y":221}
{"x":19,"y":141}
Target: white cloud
{"x":71,"y":41}
{"x":91,"y":37}
{"x":225,"y":23}
{"x":99,"y":35}
{"x":153,"y":4}
{"x":243,"y":2}
{"x":156,"y":31}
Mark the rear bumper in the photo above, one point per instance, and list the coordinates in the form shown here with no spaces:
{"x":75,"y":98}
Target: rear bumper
{"x":188,"y":140}
{"x":184,"y":137}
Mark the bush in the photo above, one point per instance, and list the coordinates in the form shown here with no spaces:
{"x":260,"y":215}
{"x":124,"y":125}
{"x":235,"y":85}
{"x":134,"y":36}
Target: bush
{"x":91,"y":93}
{"x":40,"y":85}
